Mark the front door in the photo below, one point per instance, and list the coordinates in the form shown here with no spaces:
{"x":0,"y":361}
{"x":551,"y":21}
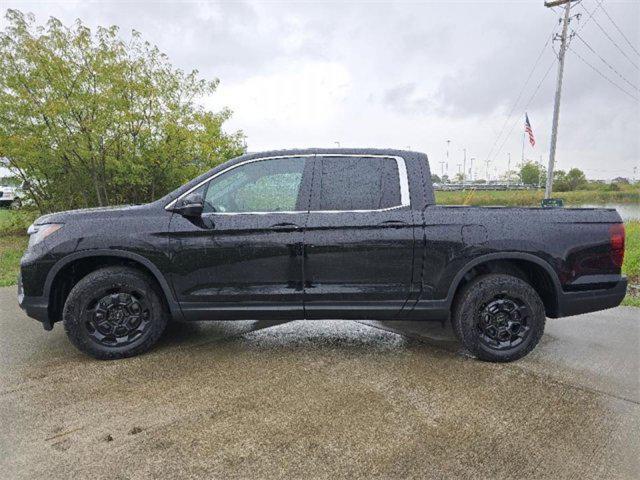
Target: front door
{"x":359,"y":240}
{"x":243,"y":257}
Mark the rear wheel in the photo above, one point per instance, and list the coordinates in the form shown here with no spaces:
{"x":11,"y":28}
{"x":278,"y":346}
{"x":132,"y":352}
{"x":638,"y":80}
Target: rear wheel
{"x":498,"y":317}
{"x":114,"y":312}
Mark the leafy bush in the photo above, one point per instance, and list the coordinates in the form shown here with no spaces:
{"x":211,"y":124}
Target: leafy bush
{"x":90,"y":119}
{"x":16,"y":222}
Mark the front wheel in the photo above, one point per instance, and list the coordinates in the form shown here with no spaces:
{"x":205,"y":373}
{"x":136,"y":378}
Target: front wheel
{"x":114,"y":312}
{"x":499,"y":318}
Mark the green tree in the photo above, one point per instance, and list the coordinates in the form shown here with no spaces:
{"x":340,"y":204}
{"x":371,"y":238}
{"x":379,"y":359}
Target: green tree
{"x":576,"y":179}
{"x":568,"y":181}
{"x":435,"y":178}
{"x":532,"y":173}
{"x":560,"y":181}
{"x":90,"y":119}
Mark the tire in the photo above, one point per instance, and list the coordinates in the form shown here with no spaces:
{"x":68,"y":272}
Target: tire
{"x":114,"y":312}
{"x":498,"y":317}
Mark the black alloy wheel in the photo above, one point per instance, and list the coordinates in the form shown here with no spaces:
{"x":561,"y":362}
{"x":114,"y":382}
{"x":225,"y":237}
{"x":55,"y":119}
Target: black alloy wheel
{"x":502,"y":322}
{"x":115,"y":312}
{"x":118,"y":319}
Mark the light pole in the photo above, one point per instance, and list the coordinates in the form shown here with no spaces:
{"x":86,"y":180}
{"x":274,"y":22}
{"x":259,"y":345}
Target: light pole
{"x":464,"y":166}
{"x":471,"y":168}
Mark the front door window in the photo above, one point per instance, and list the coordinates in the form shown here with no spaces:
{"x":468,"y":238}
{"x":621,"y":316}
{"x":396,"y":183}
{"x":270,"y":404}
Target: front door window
{"x":257,"y":187}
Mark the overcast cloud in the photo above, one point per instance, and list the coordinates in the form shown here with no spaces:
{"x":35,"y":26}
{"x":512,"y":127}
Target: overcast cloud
{"x":398,"y":74}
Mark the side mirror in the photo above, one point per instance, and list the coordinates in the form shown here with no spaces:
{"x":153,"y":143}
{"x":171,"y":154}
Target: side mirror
{"x":190,"y":206}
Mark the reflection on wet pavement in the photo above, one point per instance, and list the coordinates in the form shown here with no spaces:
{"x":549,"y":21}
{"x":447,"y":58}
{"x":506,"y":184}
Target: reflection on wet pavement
{"x":321,"y":399}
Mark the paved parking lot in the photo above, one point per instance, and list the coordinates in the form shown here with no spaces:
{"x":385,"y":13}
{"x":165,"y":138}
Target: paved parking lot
{"x":321,"y":400}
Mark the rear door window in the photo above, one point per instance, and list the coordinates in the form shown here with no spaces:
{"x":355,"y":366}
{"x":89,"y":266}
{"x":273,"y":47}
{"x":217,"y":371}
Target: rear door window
{"x":359,"y":183}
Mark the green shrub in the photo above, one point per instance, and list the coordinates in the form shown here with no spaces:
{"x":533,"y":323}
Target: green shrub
{"x":16,"y":222}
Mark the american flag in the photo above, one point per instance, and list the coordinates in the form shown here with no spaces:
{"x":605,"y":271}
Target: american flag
{"x":527,"y":128}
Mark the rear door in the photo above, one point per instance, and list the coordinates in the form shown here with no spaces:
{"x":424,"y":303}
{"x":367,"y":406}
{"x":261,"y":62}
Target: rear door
{"x":359,"y":239}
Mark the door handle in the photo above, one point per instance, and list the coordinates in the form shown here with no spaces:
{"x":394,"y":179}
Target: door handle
{"x":284,"y":227}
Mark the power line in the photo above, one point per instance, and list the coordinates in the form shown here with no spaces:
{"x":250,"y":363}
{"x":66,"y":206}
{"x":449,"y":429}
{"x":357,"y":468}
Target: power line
{"x":605,"y":62}
{"x":526,"y":107}
{"x":590,"y":14}
{"x":513,"y":108}
{"x":611,"y":39}
{"x":603,"y":75}
{"x":621,"y":32}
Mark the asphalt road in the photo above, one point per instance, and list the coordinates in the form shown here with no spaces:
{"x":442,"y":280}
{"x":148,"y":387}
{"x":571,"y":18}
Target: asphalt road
{"x":321,"y":400}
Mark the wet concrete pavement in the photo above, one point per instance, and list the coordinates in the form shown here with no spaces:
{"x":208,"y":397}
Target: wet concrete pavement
{"x":321,"y":400}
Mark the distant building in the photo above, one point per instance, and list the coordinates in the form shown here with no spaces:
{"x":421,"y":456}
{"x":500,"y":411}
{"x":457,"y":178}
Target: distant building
{"x":620,"y":180}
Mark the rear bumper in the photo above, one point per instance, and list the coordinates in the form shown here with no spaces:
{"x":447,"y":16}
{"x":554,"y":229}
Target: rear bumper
{"x":35,"y":307}
{"x":584,"y":301}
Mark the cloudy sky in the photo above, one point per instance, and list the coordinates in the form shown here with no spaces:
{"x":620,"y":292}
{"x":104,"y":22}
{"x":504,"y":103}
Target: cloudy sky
{"x":406,"y":74}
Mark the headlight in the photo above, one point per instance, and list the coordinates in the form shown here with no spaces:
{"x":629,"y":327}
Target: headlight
{"x":37,"y":233}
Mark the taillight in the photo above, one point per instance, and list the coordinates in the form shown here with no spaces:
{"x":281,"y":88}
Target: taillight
{"x":616,"y":236}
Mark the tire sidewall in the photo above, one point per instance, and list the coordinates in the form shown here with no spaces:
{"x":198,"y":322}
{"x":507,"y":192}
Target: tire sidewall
{"x":97,"y":284}
{"x":482,"y":290}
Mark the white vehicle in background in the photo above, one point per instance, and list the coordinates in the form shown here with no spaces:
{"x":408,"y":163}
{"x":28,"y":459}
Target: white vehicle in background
{"x":11,"y":196}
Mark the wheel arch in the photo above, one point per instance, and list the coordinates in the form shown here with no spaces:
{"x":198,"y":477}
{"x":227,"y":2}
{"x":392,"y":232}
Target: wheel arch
{"x":530,"y":268}
{"x":67,"y":271}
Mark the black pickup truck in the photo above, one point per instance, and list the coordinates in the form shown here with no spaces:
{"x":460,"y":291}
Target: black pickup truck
{"x":319,"y":234}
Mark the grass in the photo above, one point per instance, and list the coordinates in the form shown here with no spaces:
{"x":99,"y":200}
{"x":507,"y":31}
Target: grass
{"x":11,"y":249}
{"x":13,"y":241}
{"x":528,"y":198}
{"x":631,"y":265}
{"x":16,"y":222}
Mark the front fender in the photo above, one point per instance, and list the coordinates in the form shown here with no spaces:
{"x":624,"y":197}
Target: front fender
{"x":174,"y":306}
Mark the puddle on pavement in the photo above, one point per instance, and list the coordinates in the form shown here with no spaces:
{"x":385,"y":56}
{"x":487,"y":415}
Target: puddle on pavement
{"x":311,"y":399}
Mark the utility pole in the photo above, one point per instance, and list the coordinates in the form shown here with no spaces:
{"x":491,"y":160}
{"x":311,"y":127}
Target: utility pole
{"x":509,"y":170}
{"x":471,"y":168}
{"x":448,"y":143}
{"x":464,"y":168}
{"x":556,"y":108}
{"x":442,"y":169}
{"x":487,"y":162}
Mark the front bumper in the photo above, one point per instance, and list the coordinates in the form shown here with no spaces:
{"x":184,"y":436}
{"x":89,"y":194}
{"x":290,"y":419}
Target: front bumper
{"x":34,"y":307}
{"x":584,"y":301}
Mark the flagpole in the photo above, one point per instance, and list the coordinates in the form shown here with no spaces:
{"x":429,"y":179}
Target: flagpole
{"x":524,"y":134}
